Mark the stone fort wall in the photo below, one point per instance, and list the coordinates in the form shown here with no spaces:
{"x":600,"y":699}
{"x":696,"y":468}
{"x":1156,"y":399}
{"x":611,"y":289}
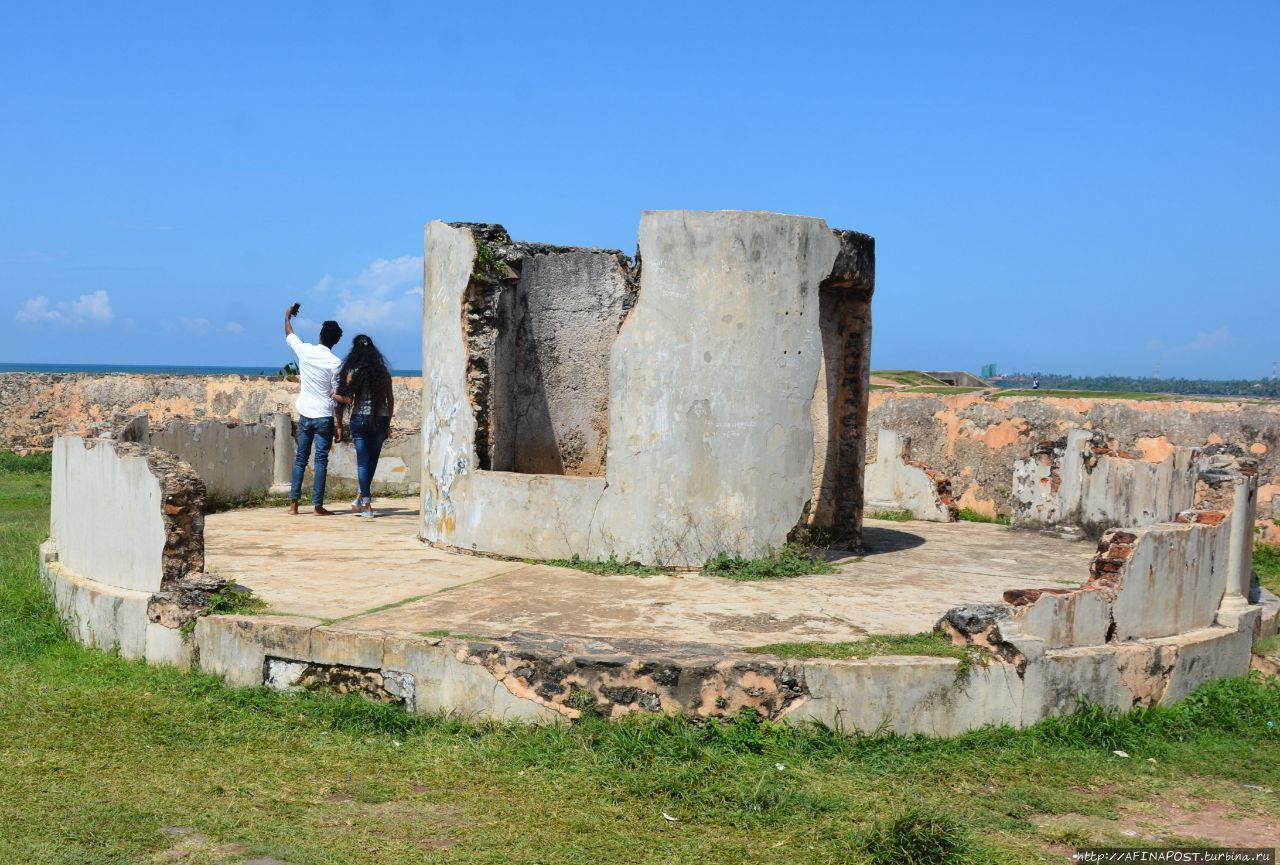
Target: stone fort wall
{"x":972,"y":439}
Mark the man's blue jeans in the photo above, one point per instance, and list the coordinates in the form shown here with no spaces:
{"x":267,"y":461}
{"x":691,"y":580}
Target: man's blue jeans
{"x":367,"y":434}
{"x":319,"y":430}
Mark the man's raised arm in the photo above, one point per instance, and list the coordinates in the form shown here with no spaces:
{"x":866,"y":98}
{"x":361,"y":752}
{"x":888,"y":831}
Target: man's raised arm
{"x":288,"y":320}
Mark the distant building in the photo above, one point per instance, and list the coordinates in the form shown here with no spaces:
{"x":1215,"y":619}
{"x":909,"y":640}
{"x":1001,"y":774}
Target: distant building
{"x":959,"y":378}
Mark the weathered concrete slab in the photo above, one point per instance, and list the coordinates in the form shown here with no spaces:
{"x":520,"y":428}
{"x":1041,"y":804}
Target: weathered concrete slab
{"x":106,"y":514}
{"x":331,"y":567}
{"x":342,"y":566}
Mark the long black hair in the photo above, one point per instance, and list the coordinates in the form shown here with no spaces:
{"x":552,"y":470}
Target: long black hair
{"x":368,"y":373}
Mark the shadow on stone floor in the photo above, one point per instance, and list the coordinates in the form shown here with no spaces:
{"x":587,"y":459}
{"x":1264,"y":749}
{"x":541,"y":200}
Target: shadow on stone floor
{"x":877,"y":539}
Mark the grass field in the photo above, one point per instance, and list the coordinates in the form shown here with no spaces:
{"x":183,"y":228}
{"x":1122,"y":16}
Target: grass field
{"x":108,"y":761}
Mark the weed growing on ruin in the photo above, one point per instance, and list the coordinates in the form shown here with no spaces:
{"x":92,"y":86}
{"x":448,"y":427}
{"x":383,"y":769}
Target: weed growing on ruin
{"x":455,"y":635}
{"x":901,"y":516}
{"x":235,"y":600}
{"x":791,"y":560}
{"x":488,"y":264}
{"x":610,"y":566}
{"x":1266,"y":561}
{"x":969,"y":515}
{"x":1267,"y":646}
{"x":214,"y":503}
{"x":931,"y":644}
{"x":917,"y":837}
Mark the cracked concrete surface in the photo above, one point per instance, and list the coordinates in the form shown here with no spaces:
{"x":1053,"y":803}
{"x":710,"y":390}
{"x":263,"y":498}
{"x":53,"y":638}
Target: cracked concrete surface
{"x":375,"y":576}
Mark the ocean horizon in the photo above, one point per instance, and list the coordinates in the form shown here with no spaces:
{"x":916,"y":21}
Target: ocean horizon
{"x":158,"y":369}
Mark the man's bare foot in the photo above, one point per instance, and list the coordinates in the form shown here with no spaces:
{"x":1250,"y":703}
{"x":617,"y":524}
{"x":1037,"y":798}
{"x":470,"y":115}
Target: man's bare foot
{"x":293,"y":509}
{"x":322,"y":511}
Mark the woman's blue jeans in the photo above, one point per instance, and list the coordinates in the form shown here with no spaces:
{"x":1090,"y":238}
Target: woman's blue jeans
{"x":320,"y":431}
{"x":367,"y":434}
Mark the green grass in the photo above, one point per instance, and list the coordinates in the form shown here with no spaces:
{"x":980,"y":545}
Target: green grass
{"x":1085,"y":394}
{"x":969,"y":515}
{"x":902,"y":516}
{"x":930,"y":644}
{"x":100,"y":755}
{"x":909,"y":377}
{"x":445,"y":632}
{"x":943,"y":389}
{"x":792,"y":560}
{"x":609,"y":566}
{"x":1266,"y":561}
{"x":918,"y":837}
{"x":1267,"y":646}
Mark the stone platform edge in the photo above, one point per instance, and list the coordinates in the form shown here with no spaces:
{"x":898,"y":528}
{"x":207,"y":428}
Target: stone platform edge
{"x":541,"y":678}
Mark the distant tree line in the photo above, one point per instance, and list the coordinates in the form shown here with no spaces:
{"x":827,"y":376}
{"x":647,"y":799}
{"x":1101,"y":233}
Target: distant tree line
{"x":1263,"y":387}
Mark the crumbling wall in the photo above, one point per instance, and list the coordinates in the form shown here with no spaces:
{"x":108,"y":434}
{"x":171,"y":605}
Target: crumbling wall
{"x":1152,"y":592}
{"x":37,"y":407}
{"x":894,"y":481}
{"x":711,"y":381}
{"x":124,"y":514}
{"x":125,"y":556}
{"x":975,"y":439}
{"x":839,"y":407}
{"x":1079,"y":482}
{"x":539,"y":323}
{"x":234,"y":460}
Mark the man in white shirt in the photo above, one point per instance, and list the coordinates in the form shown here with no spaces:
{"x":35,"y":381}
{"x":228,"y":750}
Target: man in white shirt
{"x":318,"y":371}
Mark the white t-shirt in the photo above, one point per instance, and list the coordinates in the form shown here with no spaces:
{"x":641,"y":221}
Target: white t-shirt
{"x":318,"y":369}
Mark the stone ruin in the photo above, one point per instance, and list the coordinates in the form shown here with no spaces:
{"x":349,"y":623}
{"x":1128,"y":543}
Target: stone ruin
{"x":708,"y":396}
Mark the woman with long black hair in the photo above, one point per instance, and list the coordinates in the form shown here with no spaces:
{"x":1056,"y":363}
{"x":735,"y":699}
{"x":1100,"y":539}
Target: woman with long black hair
{"x":364,"y":383}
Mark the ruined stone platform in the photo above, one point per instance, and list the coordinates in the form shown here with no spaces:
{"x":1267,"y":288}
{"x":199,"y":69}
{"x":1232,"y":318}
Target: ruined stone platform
{"x":374,"y":576}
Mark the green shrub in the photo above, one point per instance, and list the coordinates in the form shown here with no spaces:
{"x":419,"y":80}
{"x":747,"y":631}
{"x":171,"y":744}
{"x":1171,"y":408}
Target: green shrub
{"x":30,"y":464}
{"x":901,"y":516}
{"x":792,"y":560}
{"x":611,"y":565}
{"x":969,"y":515}
{"x":917,"y":837}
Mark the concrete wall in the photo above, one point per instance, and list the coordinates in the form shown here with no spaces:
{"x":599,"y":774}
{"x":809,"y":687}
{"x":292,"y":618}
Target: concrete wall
{"x":399,"y":467}
{"x":234,"y":460}
{"x":975,"y":440}
{"x":711,"y":380}
{"x":106,"y":513}
{"x":126,"y":549}
{"x":552,"y":367}
{"x":895,"y":482}
{"x":1078,"y":481}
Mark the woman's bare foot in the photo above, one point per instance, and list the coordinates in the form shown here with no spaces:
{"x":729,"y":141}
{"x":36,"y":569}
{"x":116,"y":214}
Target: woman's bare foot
{"x":322,"y":511}
{"x":293,"y":509}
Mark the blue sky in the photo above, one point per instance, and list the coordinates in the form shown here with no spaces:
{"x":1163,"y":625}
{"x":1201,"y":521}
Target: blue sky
{"x":1081,"y":188}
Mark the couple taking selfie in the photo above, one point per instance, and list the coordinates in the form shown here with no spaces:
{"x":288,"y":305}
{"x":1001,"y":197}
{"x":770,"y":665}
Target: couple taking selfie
{"x":361,"y":383}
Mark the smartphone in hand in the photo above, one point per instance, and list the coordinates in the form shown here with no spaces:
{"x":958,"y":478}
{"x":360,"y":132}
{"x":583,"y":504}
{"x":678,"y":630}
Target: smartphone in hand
{"x":293,"y":310}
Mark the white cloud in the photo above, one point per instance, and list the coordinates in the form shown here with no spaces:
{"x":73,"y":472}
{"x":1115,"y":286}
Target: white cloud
{"x":386,"y":294}
{"x":195,"y":325}
{"x":1205,"y":341}
{"x":92,"y":308}
{"x":234,"y":327}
